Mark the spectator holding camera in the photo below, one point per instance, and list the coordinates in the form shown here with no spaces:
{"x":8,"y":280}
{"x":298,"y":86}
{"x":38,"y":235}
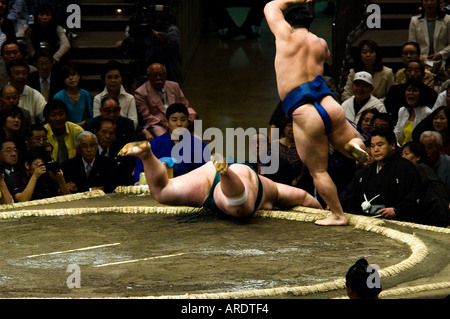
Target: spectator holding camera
{"x":36,"y":181}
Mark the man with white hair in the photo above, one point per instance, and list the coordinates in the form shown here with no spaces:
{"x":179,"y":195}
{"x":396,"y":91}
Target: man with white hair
{"x":362,"y":98}
{"x":88,"y":170}
{"x":436,"y":159}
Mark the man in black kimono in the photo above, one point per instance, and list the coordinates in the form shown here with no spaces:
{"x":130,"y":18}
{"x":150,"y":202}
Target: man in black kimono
{"x":388,"y":187}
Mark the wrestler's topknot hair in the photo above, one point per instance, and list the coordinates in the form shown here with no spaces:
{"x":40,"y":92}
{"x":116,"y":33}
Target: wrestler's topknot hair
{"x":299,"y":17}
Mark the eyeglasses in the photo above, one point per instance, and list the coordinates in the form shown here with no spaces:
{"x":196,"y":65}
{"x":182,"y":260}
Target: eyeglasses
{"x":87,"y":146}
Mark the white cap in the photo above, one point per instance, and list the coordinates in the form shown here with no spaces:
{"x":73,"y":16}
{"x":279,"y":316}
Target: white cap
{"x":363,"y":76}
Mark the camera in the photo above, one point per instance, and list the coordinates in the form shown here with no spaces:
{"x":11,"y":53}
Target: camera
{"x":49,"y":163}
{"x":148,"y":14}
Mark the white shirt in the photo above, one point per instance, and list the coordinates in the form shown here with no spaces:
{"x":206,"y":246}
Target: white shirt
{"x":34,"y":102}
{"x":126,"y":101}
{"x":373,"y":102}
{"x":403,"y":115}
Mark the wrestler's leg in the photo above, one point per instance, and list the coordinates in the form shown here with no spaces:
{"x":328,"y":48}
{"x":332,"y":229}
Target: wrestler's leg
{"x":288,"y":196}
{"x":343,"y":136}
{"x":313,"y":147}
{"x":236,"y":193}
{"x":190,"y":189}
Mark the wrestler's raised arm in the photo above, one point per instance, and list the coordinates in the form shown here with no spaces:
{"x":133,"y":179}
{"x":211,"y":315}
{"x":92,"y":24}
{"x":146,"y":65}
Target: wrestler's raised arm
{"x":273,"y":12}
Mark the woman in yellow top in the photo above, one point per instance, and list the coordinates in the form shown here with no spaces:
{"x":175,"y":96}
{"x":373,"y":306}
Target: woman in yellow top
{"x":412,"y":113}
{"x":61,"y":134}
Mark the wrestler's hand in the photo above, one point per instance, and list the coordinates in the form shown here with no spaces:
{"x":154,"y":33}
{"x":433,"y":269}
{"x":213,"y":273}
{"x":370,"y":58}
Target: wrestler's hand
{"x":220,"y":163}
{"x":135,"y":149}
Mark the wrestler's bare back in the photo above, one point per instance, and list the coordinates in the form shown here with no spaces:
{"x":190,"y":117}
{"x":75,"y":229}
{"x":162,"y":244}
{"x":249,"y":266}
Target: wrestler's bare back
{"x":299,"y":59}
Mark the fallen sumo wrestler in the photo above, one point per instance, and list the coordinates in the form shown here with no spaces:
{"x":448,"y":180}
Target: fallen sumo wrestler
{"x":234,"y":189}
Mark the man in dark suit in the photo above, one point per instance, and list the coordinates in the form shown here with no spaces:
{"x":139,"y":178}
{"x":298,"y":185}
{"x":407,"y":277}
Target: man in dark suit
{"x":88,"y":170}
{"x":108,"y":146}
{"x":47,"y":79}
{"x":110,"y":109}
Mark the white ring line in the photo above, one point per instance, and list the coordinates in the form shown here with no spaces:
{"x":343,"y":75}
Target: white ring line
{"x":72,"y":250}
{"x":136,"y":260}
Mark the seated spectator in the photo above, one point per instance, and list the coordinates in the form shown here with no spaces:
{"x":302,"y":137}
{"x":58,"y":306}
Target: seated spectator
{"x":356,"y":281}
{"x":47,"y":80}
{"x":434,"y":200}
{"x":413,"y":112}
{"x":368,"y":58}
{"x":61,"y":134}
{"x":10,"y":51}
{"x":29,"y":98}
{"x":291,"y":170}
{"x":445,"y":78}
{"x":6,"y":24}
{"x":382,"y":120}
{"x":388,"y":187}
{"x":443,"y":98}
{"x":5,"y":195}
{"x":154,"y":97}
{"x":411,"y":50}
{"x":35,"y":182}
{"x":45,"y":33}
{"x":77,"y":100}
{"x":437,"y":160}
{"x":436,"y":121}
{"x":173,"y":144}
{"x":112,"y":77}
{"x":431,"y":30}
{"x":9,"y":157}
{"x":36,"y":136}
{"x":362,"y":98}
{"x":365,"y":123}
{"x":110,"y":109}
{"x":88,"y":170}
{"x":396,"y":98}
{"x":9,"y":99}
{"x":18,"y":12}
{"x":11,"y":124}
{"x":108,"y":147}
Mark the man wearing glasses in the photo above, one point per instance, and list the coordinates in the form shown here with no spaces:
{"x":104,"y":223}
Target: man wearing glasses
{"x":110,"y":109}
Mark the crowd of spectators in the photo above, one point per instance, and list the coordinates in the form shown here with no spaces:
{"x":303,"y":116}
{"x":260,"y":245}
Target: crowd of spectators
{"x":58,"y":138}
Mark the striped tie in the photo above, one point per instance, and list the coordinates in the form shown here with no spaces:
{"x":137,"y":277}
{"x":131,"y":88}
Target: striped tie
{"x":45,"y":92}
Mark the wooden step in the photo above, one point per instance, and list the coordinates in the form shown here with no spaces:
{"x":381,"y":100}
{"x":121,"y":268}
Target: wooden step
{"x":103,"y":8}
{"x":102,"y":23}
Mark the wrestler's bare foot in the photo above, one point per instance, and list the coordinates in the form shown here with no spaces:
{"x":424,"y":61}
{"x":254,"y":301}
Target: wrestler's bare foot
{"x":357,"y":153}
{"x":220,"y":163}
{"x":333,"y":220}
{"x":137,"y":149}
